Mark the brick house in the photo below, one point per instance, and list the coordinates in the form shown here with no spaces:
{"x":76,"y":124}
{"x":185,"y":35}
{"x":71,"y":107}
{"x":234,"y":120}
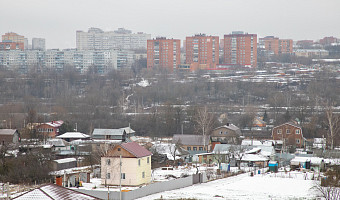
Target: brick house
{"x":135,"y":165}
{"x":289,"y":133}
{"x":49,"y":129}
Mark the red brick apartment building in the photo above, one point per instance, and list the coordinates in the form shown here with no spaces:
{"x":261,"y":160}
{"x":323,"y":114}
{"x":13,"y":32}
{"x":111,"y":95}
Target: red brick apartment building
{"x":276,"y":45}
{"x":163,"y":53}
{"x":202,"y":52}
{"x":8,"y":45}
{"x":240,"y":49}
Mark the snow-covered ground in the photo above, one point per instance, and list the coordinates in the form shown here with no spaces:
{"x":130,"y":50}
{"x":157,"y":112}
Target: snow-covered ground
{"x":262,"y":186}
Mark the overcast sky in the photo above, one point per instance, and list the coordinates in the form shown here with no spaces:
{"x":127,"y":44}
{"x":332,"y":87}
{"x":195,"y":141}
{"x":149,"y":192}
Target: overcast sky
{"x":58,"y":20}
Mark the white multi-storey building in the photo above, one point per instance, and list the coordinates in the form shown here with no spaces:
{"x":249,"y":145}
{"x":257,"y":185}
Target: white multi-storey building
{"x":96,"y":39}
{"x":82,"y":61}
{"x":38,"y":44}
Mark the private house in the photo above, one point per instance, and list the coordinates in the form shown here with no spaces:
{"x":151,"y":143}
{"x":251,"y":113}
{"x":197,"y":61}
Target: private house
{"x":227,"y":134}
{"x":49,"y":129}
{"x":120,"y":134}
{"x":57,"y":145}
{"x":135,"y":165}
{"x":235,"y":154}
{"x":9,"y":136}
{"x":193,"y":143}
{"x":289,"y":133}
{"x":70,"y":136}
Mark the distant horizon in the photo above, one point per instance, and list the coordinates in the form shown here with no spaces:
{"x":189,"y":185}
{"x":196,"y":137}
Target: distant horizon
{"x":58,"y":21}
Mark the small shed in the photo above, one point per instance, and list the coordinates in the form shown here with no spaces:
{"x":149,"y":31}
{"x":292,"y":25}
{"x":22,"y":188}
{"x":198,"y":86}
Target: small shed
{"x":273,"y":166}
{"x":64,"y":163}
{"x":9,"y":136}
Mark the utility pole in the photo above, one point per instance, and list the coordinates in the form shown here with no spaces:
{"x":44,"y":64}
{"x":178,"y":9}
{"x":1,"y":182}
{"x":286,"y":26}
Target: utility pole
{"x":120,"y":177}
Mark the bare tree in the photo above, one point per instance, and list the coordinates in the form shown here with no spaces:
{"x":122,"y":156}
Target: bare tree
{"x":204,"y":122}
{"x":333,"y":123}
{"x":237,"y":152}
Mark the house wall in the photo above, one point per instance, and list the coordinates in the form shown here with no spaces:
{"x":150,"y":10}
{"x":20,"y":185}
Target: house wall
{"x":197,"y":147}
{"x":225,"y":136}
{"x":291,"y":138}
{"x":47,"y":131}
{"x":9,"y":139}
{"x":130,"y":166}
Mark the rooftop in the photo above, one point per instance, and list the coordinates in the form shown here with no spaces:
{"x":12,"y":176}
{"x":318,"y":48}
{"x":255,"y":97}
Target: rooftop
{"x":7,"y":131}
{"x":52,"y":191}
{"x":191,"y":139}
{"x":73,"y":135}
{"x":135,"y":149}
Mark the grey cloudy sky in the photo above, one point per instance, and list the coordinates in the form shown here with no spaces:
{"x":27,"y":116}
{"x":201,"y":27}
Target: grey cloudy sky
{"x":58,"y":20}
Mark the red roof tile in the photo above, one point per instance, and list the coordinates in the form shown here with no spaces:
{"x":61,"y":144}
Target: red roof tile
{"x":135,"y":149}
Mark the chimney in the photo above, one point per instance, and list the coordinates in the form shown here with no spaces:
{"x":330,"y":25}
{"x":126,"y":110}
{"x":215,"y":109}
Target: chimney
{"x":227,"y":124}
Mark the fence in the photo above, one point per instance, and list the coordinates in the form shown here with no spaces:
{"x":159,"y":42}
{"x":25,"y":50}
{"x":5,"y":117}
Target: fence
{"x":149,"y":189}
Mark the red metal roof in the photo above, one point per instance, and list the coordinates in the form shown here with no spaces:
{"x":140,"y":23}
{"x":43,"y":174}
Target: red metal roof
{"x":135,"y":149}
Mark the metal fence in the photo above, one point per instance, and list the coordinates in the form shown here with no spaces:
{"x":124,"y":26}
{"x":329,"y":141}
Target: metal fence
{"x":149,"y":189}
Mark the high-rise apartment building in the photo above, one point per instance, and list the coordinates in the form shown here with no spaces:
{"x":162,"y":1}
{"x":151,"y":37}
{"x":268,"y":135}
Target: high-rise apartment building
{"x":38,"y":44}
{"x":163,"y":53}
{"x":12,"y":41}
{"x":277,"y":46}
{"x":97,"y":39}
{"x":240,"y":49}
{"x":202,"y":51}
{"x":7,"y":45}
{"x":13,"y":37}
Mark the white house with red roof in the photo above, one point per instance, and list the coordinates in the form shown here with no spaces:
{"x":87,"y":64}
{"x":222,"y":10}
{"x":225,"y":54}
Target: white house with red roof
{"x":135,"y":165}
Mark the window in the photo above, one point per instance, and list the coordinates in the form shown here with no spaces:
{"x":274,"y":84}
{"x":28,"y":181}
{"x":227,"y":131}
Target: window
{"x":195,"y":148}
{"x":138,"y":162}
{"x":279,"y":131}
{"x":297,"y":141}
{"x":226,"y":133}
{"x":288,"y":131}
{"x":108,"y":176}
{"x":108,"y":162}
{"x":143,"y":174}
{"x":200,"y":148}
{"x":148,"y":159}
{"x":221,"y":132}
{"x":122,"y":175}
{"x":297,"y":131}
{"x":189,"y":148}
{"x":119,"y":149}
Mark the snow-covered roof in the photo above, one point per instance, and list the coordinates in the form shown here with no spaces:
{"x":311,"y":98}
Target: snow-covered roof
{"x":52,"y":191}
{"x":254,"y":158}
{"x":57,"y":142}
{"x":108,"y":131}
{"x":7,"y":131}
{"x":247,"y":142}
{"x":73,"y":135}
{"x":55,"y":123}
{"x":65,"y":160}
{"x":128,"y":130}
{"x":314,"y":160}
{"x":229,"y":126}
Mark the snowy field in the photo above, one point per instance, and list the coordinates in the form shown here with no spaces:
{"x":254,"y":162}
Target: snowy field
{"x":293,"y":185}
